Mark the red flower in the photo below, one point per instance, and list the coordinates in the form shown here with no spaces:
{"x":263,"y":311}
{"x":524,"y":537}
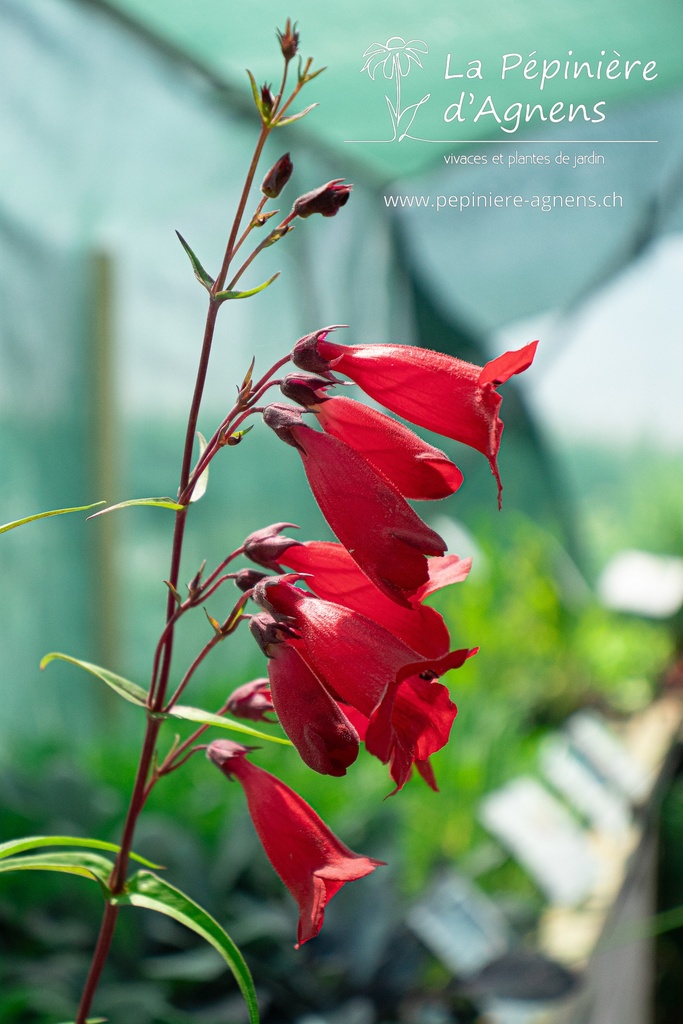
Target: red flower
{"x":421,"y":720}
{"x":436,"y":391}
{"x":364,"y":667}
{"x":311,"y":861}
{"x":415,"y":468}
{"x":373,"y":521}
{"x":335,"y":577}
{"x":316,"y":725}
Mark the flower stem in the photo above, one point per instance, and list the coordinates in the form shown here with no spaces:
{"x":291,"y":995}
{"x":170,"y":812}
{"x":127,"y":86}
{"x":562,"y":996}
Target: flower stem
{"x":144,"y":778}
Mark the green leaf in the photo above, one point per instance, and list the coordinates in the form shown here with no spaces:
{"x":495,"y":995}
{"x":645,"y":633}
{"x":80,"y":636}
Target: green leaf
{"x":222,"y":296}
{"x":145,"y":889}
{"x":87,"y":865}
{"x":129,"y":691}
{"x":189,"y":714}
{"x":265,"y":117}
{"x":199,"y":489}
{"x":90,"y":1020}
{"x":44,"y":515}
{"x":297,"y":117}
{"x":154,"y":502}
{"x":199,"y":272}
{"x":14,"y":846}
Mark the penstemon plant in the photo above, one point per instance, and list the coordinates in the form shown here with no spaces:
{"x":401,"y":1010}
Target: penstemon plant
{"x":353,"y":653}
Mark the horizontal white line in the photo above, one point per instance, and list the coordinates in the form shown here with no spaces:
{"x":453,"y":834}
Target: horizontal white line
{"x":519,"y":142}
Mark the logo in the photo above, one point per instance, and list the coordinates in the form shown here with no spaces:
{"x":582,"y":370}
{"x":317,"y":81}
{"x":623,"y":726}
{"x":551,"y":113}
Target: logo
{"x":396,"y":58}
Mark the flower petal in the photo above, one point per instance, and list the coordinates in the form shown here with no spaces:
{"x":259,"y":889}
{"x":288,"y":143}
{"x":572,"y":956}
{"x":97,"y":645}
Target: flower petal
{"x":373,"y":521}
{"x":314,"y":722}
{"x":417,"y":469}
{"x":335,"y":577}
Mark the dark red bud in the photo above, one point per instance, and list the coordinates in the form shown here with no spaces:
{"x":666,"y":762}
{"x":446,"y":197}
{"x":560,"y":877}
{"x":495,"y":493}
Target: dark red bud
{"x":266,"y":545}
{"x":326,"y":200}
{"x":277,"y":177}
{"x":252,"y":700}
{"x":267,"y":98}
{"x":246,"y":579}
{"x":289,"y":40}
{"x":305,"y":389}
{"x":305,"y":353}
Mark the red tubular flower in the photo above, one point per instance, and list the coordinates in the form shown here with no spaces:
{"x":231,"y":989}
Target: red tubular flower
{"x":316,"y":725}
{"x":436,"y":391}
{"x":335,"y":577}
{"x":373,"y":521}
{"x":415,"y":468}
{"x":358,"y":661}
{"x":311,"y":861}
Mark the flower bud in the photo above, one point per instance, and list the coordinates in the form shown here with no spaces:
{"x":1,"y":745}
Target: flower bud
{"x":267,"y":99}
{"x":246,"y":579}
{"x":277,"y":177}
{"x":305,"y":389}
{"x":252,"y":701}
{"x":264,"y":546}
{"x":326,"y":200}
{"x":289,"y":40}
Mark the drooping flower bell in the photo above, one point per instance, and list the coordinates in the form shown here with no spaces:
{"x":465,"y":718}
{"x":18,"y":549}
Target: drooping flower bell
{"x":371,"y":518}
{"x":310,"y":860}
{"x":333,"y":575}
{"x":417,"y":469}
{"x":319,"y":729}
{"x":433,"y":390}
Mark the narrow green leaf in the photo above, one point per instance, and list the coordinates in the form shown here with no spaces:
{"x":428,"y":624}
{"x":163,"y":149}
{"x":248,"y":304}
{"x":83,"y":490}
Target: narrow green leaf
{"x":199,"y":489}
{"x":87,"y":865}
{"x":145,"y":889}
{"x":14,"y":846}
{"x":314,"y":74}
{"x":44,"y":515}
{"x":91,"y":1020}
{"x":215,"y":624}
{"x":199,"y":272}
{"x":222,"y":296}
{"x":257,"y":99}
{"x":154,"y":502}
{"x":296,"y":117}
{"x":189,"y":714}
{"x":129,"y":691}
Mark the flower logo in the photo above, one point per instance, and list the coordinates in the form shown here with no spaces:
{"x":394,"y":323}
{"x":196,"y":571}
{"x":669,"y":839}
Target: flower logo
{"x":396,"y":57}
